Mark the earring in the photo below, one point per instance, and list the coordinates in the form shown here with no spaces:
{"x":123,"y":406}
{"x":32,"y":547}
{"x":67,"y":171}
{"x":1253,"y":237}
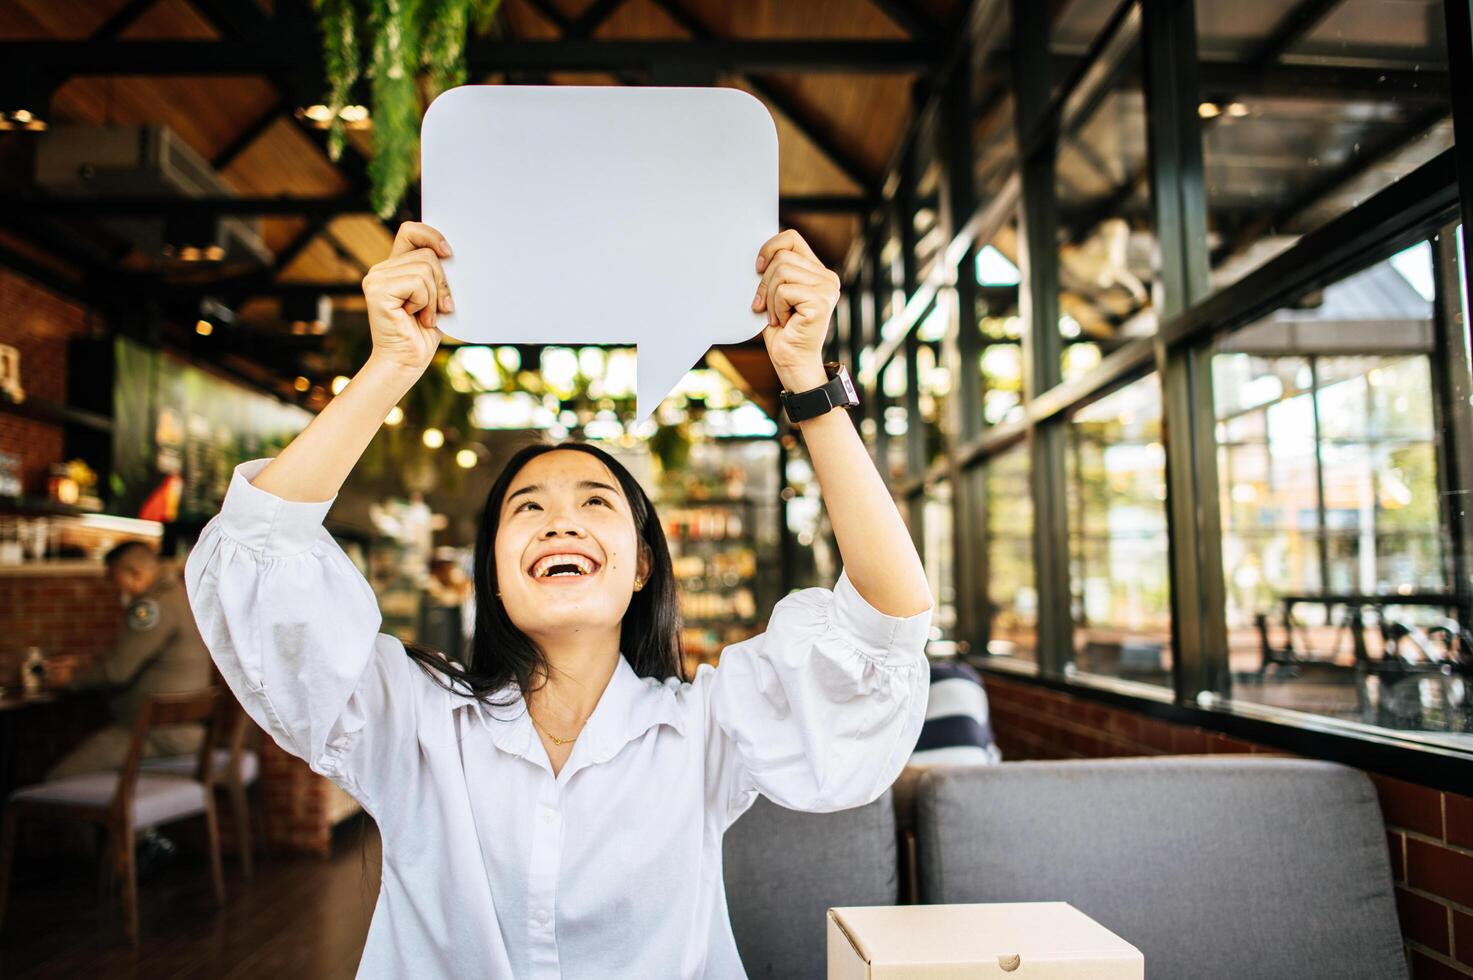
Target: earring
{"x":638,"y":584}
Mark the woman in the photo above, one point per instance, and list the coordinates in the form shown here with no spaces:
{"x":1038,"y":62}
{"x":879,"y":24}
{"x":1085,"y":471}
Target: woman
{"x":556,"y":807}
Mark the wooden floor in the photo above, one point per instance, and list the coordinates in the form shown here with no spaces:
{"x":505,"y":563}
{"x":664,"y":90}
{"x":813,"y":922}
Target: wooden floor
{"x":302,"y":917}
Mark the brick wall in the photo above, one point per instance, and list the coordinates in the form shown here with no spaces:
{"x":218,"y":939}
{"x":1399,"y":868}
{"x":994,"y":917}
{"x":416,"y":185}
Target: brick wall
{"x":1429,"y":832}
{"x":38,"y":323}
{"x":72,"y":618}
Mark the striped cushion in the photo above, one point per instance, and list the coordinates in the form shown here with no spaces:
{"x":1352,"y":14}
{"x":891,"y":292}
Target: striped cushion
{"x":958,"y":729}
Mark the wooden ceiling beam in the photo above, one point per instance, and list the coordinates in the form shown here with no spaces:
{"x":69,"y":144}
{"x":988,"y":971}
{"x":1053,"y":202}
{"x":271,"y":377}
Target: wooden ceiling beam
{"x":812,"y":128}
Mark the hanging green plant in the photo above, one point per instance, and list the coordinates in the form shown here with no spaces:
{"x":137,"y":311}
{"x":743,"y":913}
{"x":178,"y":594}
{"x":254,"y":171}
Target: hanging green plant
{"x":409,"y":42}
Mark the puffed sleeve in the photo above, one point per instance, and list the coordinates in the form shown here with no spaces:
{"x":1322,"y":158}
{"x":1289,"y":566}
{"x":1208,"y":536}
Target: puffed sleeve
{"x":821,"y":711}
{"x":293,"y":627}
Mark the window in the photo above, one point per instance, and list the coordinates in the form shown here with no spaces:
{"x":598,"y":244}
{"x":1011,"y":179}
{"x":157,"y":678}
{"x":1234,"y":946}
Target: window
{"x":939,"y":555}
{"x":893,"y":385}
{"x":1339,"y":595}
{"x":1106,"y":243}
{"x":1299,"y":127}
{"x":1117,"y":536}
{"x":1012,"y":596}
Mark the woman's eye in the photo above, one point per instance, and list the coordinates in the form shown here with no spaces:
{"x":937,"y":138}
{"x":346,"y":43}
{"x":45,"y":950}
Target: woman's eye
{"x":597,"y":500}
{"x":525,"y":504}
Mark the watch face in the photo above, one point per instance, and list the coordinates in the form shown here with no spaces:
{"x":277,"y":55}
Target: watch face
{"x":848,"y":386}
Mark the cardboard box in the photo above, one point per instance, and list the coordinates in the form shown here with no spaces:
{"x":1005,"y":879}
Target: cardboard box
{"x":1021,"y":941}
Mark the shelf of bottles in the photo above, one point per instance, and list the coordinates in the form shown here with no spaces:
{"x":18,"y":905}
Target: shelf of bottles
{"x":719,"y":511}
{"x":713,"y":550}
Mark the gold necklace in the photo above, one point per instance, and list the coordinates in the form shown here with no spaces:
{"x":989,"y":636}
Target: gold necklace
{"x":555,"y":739}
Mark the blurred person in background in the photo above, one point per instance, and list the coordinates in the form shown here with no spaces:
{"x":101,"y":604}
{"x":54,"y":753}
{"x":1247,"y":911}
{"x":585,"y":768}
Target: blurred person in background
{"x":446,"y":593}
{"x":158,"y":650}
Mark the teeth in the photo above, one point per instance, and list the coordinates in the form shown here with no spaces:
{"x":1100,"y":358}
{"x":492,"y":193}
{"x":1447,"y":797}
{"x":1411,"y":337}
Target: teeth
{"x":543,"y":568}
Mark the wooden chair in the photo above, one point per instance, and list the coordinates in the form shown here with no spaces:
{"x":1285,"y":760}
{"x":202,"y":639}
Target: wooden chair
{"x":124,"y":802}
{"x":236,"y":767}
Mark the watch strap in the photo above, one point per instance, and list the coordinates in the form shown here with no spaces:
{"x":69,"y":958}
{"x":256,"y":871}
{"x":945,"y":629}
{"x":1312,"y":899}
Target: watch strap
{"x":838,"y":391}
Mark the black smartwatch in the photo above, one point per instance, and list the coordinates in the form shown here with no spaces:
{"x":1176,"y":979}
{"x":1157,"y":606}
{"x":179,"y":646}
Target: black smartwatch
{"x":803,"y":405}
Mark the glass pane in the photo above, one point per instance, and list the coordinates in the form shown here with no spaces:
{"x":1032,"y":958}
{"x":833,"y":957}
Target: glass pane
{"x":1001,"y":361}
{"x":1338,"y":591}
{"x":1012,"y":595}
{"x":1299,"y":129}
{"x":1117,"y":536}
{"x":1107,"y":247}
{"x":934,"y":381}
{"x":939,"y":556}
{"x":893,"y":383}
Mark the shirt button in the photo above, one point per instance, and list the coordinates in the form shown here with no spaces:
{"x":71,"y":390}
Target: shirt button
{"x":549,"y":816}
{"x":541,"y":917}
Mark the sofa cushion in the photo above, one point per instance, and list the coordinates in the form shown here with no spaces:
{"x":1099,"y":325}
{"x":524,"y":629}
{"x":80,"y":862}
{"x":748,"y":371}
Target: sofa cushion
{"x":1214,"y":868}
{"x":785,"y":869}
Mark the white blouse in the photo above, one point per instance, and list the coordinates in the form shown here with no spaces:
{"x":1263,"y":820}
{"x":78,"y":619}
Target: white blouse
{"x":493,"y":866}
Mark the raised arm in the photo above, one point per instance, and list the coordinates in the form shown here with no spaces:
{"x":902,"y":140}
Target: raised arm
{"x":406,"y":293}
{"x":799,"y":295}
{"x":287,"y":617}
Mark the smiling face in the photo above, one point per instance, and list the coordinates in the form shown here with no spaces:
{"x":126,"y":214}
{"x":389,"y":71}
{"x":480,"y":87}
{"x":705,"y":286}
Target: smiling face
{"x":567,"y":553}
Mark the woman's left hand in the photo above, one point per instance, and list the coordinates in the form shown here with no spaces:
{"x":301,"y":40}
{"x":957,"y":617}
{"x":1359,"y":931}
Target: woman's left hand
{"x":799,"y":295}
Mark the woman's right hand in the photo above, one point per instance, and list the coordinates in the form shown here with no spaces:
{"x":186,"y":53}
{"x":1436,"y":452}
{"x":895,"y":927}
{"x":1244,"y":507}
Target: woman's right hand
{"x":406,"y":293}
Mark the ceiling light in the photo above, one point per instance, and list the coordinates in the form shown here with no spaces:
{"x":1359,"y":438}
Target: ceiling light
{"x":21,"y":119}
{"x":319,"y":115}
{"x":339,"y":383}
{"x":204,"y":328}
{"x":1209,"y":110}
{"x":301,"y":384}
{"x":395,"y":416}
{"x":192,"y":238}
{"x":1237,"y":110}
{"x":307,"y":314}
{"x":466,"y":459}
{"x":433,"y":438}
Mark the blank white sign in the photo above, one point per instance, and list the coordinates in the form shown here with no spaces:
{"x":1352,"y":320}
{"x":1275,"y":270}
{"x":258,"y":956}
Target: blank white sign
{"x":602,"y":215}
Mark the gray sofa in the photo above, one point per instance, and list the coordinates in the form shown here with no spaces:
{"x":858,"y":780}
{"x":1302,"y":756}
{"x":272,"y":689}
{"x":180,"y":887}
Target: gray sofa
{"x":1215,"y":868}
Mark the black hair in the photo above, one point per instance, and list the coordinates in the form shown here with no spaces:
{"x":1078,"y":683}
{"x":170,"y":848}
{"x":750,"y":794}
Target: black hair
{"x":501,"y":654}
{"x":132,"y":554}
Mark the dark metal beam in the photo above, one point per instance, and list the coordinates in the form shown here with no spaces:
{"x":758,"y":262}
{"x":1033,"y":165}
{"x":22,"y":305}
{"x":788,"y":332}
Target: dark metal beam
{"x":1458,"y":15}
{"x":1038,"y":117}
{"x":908,"y":16}
{"x":1231,"y":79}
{"x":1179,"y":201}
{"x":1291,"y":29}
{"x":309,"y":207}
{"x":297,"y":245}
{"x":251,"y":133}
{"x":125,"y":17}
{"x":594,"y":17}
{"x":248,"y":57}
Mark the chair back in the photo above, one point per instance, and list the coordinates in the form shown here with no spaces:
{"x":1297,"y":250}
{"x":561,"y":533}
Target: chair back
{"x":205,"y":707}
{"x":785,"y":869}
{"x":1213,"y":868}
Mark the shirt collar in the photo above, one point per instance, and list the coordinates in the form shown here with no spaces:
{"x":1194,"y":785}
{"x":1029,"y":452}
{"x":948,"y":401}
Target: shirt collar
{"x":629,"y":706}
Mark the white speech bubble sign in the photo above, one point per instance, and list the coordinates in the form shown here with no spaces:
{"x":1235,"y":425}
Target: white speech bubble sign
{"x":602,"y":215}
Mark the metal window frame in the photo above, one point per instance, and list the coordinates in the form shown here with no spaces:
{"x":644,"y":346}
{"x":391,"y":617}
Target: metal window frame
{"x":1420,"y":206}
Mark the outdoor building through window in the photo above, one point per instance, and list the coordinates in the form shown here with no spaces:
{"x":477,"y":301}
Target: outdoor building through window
{"x":1340,"y":599}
